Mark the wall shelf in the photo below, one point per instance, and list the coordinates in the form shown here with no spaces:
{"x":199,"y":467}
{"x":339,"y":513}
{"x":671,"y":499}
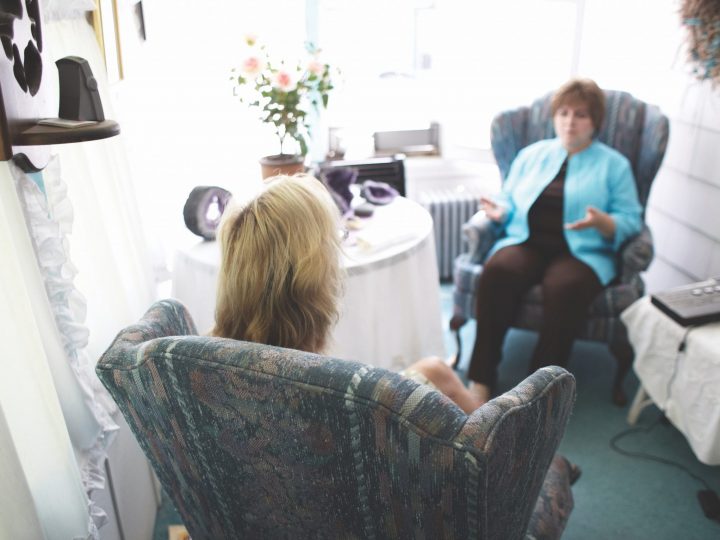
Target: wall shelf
{"x":39,"y":135}
{"x":26,"y":92}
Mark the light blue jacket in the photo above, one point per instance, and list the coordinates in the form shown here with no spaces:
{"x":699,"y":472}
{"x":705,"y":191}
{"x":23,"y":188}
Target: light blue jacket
{"x":598,"y":176}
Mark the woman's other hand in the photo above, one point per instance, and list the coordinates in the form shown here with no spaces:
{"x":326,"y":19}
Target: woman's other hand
{"x":492,"y":210}
{"x":598,"y":219}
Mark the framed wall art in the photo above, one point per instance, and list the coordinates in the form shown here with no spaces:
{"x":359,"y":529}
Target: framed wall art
{"x":105,"y":21}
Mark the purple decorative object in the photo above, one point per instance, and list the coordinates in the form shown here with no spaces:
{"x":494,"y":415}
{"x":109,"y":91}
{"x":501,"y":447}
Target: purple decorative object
{"x":204,"y":208}
{"x":378,"y":192}
{"x":338,"y":181}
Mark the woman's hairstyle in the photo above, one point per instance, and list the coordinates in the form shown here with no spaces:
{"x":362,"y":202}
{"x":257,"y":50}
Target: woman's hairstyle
{"x":280,"y":271}
{"x":585,"y":92}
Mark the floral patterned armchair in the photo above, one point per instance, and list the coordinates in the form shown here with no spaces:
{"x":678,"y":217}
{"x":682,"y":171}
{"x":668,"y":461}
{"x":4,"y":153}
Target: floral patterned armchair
{"x":637,"y":130}
{"x":255,"y":441}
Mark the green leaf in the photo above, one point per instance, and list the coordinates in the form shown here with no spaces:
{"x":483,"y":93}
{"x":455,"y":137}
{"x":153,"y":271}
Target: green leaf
{"x":303,"y":144}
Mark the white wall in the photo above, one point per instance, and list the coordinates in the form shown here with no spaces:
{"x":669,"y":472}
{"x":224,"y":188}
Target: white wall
{"x":636,"y":45}
{"x":181,"y":124}
{"x":683,"y":209}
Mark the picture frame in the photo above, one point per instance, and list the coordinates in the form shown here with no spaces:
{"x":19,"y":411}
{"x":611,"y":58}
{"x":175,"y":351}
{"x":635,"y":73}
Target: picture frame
{"x":138,"y":15}
{"x":104,"y":20}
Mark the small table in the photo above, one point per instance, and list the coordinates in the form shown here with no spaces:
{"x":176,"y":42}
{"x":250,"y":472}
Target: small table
{"x":390,"y":311}
{"x":685,"y":385}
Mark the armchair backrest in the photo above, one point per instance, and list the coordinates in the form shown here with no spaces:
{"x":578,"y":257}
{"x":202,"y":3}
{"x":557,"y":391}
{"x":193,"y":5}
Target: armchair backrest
{"x":258,"y":441}
{"x":636,"y":129}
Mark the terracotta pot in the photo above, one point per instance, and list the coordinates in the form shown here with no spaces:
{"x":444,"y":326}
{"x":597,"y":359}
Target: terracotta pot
{"x":282,"y":164}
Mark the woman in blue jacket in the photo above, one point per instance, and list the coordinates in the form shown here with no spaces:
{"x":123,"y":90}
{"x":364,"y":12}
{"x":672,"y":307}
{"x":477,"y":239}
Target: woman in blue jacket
{"x":566,"y":207}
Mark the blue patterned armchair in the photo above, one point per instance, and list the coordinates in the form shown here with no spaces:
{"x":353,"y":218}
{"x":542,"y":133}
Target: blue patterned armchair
{"x":637,"y":130}
{"x":254,"y":441}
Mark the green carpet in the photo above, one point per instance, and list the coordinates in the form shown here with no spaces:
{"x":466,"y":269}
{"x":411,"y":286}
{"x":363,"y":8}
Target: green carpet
{"x":617,"y":497}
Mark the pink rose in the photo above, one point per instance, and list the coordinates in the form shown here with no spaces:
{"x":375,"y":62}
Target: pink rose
{"x":315,"y":67}
{"x":252,"y":65}
{"x":284,"y":81}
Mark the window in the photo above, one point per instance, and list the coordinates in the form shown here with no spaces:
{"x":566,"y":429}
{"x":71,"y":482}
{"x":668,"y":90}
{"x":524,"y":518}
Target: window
{"x":457,"y":62}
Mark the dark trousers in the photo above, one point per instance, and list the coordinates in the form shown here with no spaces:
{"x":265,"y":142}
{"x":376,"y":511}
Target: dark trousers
{"x":568,"y":288}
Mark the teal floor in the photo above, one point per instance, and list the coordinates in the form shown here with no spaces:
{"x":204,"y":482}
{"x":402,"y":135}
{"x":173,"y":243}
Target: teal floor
{"x":617,"y":497}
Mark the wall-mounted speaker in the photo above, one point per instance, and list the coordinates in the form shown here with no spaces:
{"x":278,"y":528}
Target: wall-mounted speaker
{"x":79,"y":96}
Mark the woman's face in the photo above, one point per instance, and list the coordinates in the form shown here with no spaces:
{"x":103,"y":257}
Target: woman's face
{"x":574,"y":127}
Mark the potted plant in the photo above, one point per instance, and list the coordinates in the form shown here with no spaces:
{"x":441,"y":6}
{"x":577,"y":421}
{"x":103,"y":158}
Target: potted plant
{"x":283,"y":93}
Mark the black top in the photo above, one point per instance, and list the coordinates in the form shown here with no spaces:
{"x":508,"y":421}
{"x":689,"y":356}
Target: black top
{"x":545,"y":219}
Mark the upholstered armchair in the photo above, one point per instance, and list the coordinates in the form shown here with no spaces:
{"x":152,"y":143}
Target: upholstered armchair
{"x":255,"y":441}
{"x":640,"y":132}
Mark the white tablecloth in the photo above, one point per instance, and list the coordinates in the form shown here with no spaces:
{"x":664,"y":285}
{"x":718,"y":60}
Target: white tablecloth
{"x":693,"y":401}
{"x":390,"y":311}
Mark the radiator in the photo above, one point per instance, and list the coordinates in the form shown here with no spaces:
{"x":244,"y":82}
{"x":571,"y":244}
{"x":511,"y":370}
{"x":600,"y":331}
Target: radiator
{"x":450,"y":209}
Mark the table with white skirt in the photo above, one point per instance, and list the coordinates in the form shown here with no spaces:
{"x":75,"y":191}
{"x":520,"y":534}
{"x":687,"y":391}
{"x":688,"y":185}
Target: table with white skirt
{"x":390,"y":309}
{"x":679,"y":371}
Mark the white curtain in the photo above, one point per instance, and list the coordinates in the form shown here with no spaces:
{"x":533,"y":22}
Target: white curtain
{"x":61,"y":312}
{"x":41,"y":495}
{"x":108,"y":245}
{"x":78,"y":270}
{"x":91,"y":182}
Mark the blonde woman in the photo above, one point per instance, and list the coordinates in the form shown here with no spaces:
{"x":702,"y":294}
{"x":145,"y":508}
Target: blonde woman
{"x":280,"y":277}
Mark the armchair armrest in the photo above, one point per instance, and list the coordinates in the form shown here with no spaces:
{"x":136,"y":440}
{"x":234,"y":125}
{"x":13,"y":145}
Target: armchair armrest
{"x":480,"y":233}
{"x":518,"y":433}
{"x":636,"y":255}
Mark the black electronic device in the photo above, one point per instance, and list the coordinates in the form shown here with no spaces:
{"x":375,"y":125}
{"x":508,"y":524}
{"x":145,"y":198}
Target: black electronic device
{"x":693,"y":304}
{"x":390,"y":170}
{"x":79,"y":96}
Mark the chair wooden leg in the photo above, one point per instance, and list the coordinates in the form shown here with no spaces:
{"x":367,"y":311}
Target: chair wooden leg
{"x":623,"y":352}
{"x":456,"y":323}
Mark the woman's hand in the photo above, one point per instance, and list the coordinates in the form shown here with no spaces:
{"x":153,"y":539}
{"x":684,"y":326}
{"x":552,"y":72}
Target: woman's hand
{"x":598,"y":219}
{"x":492,"y":210}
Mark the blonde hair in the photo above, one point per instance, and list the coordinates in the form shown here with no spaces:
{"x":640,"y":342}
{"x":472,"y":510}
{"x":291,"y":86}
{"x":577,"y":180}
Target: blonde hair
{"x":280,"y":274}
{"x":586,"y":92}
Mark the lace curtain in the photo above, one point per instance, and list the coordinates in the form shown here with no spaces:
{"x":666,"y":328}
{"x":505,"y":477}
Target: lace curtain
{"x":86,"y":408}
{"x":37,"y":461}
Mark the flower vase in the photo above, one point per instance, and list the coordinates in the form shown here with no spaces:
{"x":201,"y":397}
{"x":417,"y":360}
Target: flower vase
{"x":282,"y":164}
